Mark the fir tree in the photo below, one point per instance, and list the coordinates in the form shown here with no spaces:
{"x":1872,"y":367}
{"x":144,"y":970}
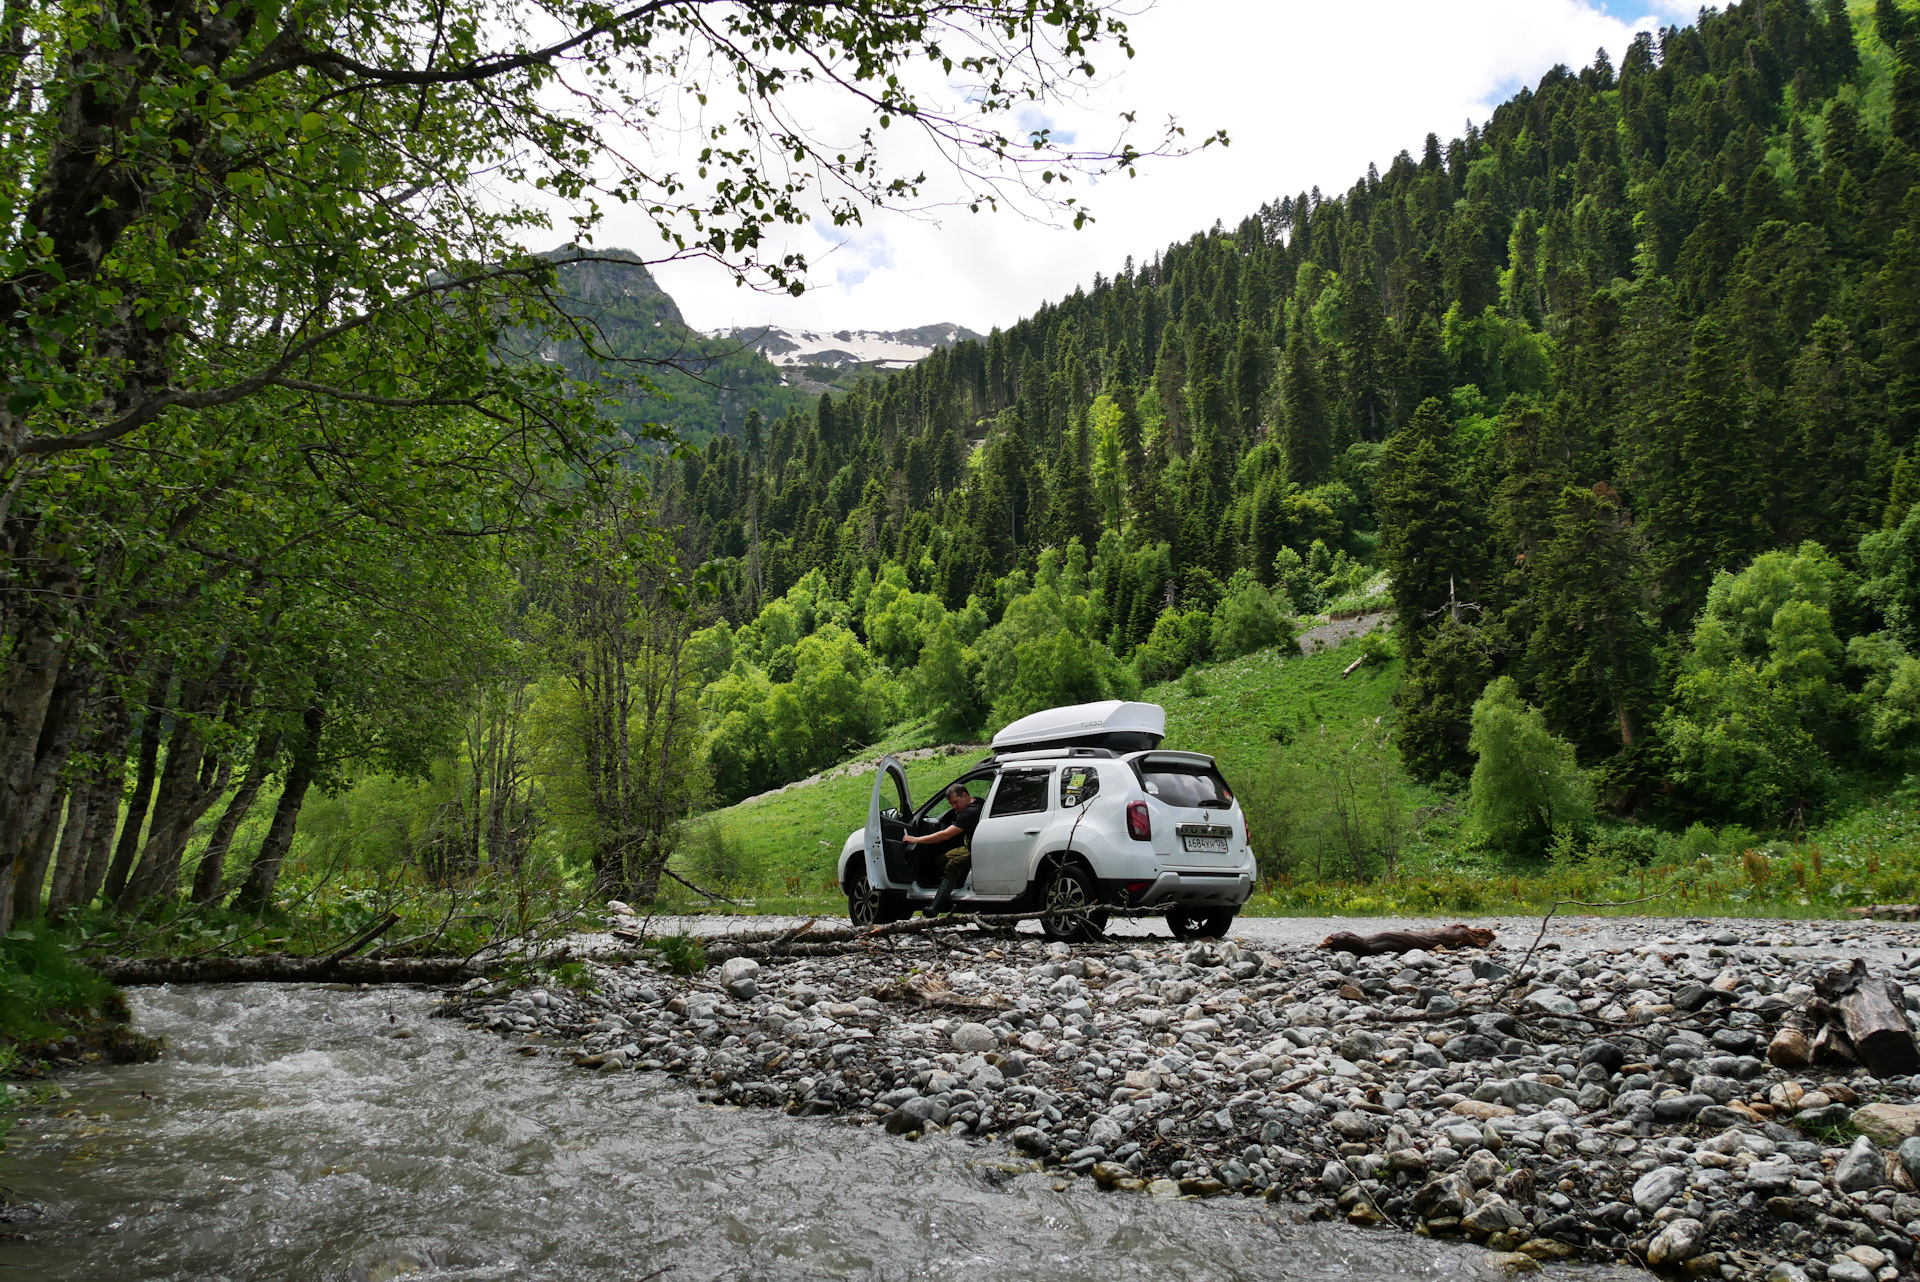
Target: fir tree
{"x":1590,"y":658}
{"x":1305,"y":435}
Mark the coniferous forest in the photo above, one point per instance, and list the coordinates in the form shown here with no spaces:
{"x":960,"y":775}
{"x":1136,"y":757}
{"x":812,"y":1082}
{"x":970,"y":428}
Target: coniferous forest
{"x":440,"y":566}
{"x":1611,"y":398}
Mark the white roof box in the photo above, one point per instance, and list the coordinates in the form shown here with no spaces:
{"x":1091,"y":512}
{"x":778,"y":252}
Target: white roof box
{"x":1111,"y":723}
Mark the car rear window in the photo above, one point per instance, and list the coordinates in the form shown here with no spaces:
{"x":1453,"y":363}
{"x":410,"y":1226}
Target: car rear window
{"x":1188,"y":786}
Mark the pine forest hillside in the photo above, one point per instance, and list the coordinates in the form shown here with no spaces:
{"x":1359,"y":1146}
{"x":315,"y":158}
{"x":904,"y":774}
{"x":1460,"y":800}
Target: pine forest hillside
{"x":1611,"y":399}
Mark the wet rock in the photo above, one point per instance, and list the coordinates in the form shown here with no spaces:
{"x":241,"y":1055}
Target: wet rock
{"x":1029,"y":1139}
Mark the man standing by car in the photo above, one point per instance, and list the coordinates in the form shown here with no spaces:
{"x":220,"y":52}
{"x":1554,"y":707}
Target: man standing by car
{"x":956,"y":839}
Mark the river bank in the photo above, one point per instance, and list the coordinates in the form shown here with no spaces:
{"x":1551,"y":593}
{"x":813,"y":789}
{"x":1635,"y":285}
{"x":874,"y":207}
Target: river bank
{"x":1659,"y":1134}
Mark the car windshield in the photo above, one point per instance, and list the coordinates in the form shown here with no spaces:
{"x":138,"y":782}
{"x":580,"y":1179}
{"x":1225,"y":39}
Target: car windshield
{"x":1191,"y":787}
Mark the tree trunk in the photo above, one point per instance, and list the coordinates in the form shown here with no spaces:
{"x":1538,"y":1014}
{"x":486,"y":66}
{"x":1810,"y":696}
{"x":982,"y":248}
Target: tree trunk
{"x":284,"y":969}
{"x":66,"y":868}
{"x":99,"y":841}
{"x":30,"y":866}
{"x":257,"y":891}
{"x":93,"y":842}
{"x":189,"y":784}
{"x":60,"y":725}
{"x":136,"y":820}
{"x":36,"y":661}
{"x":206,"y":878}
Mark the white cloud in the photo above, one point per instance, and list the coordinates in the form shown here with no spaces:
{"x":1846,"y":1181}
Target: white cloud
{"x":1310,"y":93}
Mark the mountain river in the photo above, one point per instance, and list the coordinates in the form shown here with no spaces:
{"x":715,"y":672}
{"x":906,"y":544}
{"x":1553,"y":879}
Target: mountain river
{"x":288,"y":1133}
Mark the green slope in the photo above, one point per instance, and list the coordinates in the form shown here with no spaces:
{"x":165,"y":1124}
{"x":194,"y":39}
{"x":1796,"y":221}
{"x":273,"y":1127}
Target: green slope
{"x":1254,"y":714}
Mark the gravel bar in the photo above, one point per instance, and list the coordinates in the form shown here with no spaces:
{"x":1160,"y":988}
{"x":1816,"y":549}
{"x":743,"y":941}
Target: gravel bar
{"x":1610,"y":1100}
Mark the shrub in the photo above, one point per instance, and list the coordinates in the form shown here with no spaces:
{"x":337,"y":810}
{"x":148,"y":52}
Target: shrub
{"x":1525,"y":783}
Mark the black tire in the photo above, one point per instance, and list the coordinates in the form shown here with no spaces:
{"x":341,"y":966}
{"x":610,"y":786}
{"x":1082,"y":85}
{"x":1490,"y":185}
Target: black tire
{"x":1214,"y":925}
{"x":1183,"y":923}
{"x":867,"y":906}
{"x":1068,"y":900}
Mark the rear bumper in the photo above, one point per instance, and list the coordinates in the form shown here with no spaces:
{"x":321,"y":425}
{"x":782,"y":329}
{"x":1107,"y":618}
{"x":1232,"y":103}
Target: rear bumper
{"x":1209,"y":889}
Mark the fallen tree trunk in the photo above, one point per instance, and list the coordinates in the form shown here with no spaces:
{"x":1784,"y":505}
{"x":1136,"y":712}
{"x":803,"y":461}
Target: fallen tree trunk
{"x":1405,"y":941}
{"x":283,"y":968}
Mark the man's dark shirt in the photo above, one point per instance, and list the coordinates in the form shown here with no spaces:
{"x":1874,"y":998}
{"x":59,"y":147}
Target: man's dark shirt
{"x":966,"y":820}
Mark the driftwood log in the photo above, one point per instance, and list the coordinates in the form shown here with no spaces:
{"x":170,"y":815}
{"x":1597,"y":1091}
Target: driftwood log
{"x":1865,"y":1015}
{"x":282,"y":968}
{"x":1405,"y":941}
{"x":1898,"y":912}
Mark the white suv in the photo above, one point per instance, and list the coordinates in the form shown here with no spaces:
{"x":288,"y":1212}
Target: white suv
{"x":1081,"y":808}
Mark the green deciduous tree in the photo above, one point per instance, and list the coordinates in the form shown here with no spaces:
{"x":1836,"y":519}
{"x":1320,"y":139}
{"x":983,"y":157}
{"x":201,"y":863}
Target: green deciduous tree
{"x":1525,"y":784}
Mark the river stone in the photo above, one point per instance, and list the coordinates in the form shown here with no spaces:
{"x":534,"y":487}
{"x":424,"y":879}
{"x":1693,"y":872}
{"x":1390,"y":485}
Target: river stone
{"x":1790,"y":1048}
{"x":1657,"y":1187}
{"x":1871,"y":1256}
{"x":1678,"y":1242}
{"x":1888,"y":1124}
{"x":1551,"y":1002}
{"x":1718,"y":1089}
{"x":1361,"y":1046}
{"x":1444,"y":1197}
{"x":1031,"y":1139}
{"x":1909,"y":1156}
{"x":737,"y":968}
{"x":1355,"y":1126}
{"x":1605,"y":1054}
{"x":973,"y":1039}
{"x":1679,"y":1108}
{"x":1718,"y":1117}
{"x":1470,"y":1046}
{"x":911,"y":1115}
{"x":1517,"y":1092}
{"x":1492,"y":1216}
{"x":1845,"y":1270}
{"x":1834,"y":1114}
{"x":1785,"y":1271}
{"x":1481,"y":1110}
{"x":1862,"y":1168}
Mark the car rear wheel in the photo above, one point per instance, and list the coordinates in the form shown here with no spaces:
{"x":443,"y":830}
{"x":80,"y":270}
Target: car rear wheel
{"x":1189,"y":923}
{"x":1070,"y":906}
{"x":867,"y":906}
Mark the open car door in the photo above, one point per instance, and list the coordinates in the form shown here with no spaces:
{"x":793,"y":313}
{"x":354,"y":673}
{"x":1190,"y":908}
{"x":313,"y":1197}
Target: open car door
{"x":887,"y":815}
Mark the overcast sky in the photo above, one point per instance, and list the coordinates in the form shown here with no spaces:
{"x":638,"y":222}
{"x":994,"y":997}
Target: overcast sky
{"x":1309,"y":93}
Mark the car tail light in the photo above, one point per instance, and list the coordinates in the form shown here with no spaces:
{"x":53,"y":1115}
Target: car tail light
{"x":1137,"y":887}
{"x":1246,"y":829}
{"x":1139,"y":823}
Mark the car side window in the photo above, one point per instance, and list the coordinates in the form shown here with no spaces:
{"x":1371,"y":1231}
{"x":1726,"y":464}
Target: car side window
{"x":1078,"y":785}
{"x":978,"y":785}
{"x":1021,"y":792}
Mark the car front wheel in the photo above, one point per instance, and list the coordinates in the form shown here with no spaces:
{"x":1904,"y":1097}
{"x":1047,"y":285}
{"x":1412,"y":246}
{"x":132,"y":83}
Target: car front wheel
{"x":1070,"y":906}
{"x":867,"y":906}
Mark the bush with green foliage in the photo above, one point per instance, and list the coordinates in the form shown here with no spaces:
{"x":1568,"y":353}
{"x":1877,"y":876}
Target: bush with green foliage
{"x":1526,"y":784}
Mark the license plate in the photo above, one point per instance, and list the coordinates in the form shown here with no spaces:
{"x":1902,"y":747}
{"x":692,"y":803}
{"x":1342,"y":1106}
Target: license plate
{"x":1204,"y":845}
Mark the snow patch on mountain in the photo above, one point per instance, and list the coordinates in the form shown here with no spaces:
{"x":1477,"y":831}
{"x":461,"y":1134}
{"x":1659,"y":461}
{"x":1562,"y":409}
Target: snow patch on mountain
{"x":887,"y":349}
